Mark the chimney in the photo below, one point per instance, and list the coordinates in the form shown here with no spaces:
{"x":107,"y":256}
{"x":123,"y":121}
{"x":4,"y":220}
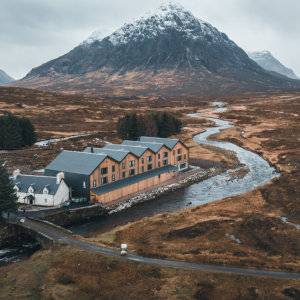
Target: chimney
{"x":59,"y":177}
{"x":92,"y":149}
{"x":16,"y":173}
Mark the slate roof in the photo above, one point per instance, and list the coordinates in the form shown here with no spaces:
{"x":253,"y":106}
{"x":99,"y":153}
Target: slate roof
{"x":131,"y":180}
{"x":117,"y":155}
{"x":155,"y":147}
{"x":136,"y":150}
{"x":23,"y":182}
{"x":76,"y":162}
{"x":170,"y":143}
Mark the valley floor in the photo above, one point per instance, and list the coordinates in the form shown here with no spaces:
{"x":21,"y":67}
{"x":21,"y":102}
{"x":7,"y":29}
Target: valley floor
{"x":258,"y":229}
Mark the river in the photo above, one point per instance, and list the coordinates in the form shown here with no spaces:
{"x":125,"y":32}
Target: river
{"x":212,"y":189}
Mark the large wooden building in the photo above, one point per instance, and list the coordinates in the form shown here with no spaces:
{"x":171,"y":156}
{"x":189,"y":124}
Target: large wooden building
{"x":118,"y":170}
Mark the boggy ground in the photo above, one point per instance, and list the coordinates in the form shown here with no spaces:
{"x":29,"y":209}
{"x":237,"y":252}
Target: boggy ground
{"x":68,"y":273}
{"x":58,"y":115}
{"x":246,"y":230}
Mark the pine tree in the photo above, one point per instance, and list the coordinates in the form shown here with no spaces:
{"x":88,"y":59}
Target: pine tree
{"x":8,"y":198}
{"x":28,"y":132}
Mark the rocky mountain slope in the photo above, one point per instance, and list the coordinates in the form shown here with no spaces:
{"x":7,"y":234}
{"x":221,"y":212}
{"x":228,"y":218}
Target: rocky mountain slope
{"x":167,"y":52}
{"x":4,"y":78}
{"x":267,"y":61}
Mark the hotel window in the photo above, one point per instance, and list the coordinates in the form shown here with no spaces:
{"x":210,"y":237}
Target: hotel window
{"x":142,"y":160}
{"x":179,"y":151}
{"x":179,"y":158}
{"x":131,"y":172}
{"x":124,"y":174}
{"x":123,"y":165}
{"x":173,"y":152}
{"x":165,"y":162}
{"x":143,"y":169}
{"x":104,"y":171}
{"x":166,"y":154}
{"x":94,"y":183}
{"x":113,"y":169}
{"x":158,"y":156}
{"x":104,"y":180}
{"x":184,"y":156}
{"x":149,"y":167}
{"x":113,"y":178}
{"x":149,"y":158}
{"x":132,"y":163}
{"x":159,"y":164}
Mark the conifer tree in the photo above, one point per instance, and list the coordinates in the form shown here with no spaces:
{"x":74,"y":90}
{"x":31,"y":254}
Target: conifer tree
{"x":8,"y":198}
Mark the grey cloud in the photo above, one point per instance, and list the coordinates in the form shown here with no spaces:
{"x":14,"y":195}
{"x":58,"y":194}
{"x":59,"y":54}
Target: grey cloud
{"x":35,"y":31}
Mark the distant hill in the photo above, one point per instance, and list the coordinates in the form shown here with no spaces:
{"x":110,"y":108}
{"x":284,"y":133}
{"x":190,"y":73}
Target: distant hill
{"x":169,"y":52}
{"x":267,"y":61}
{"x":4,"y":78}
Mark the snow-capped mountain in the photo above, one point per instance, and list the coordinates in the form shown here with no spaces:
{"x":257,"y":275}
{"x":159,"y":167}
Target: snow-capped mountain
{"x":168,"y":51}
{"x":267,"y":61}
{"x":4,"y":78}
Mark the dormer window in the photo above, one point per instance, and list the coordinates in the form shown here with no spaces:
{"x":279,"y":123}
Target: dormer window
{"x":16,"y":188}
{"x":45,"y":191}
{"x":30,"y":190}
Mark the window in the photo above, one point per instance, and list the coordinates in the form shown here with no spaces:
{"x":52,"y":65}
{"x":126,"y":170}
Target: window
{"x":84,"y":185}
{"x":165,"y":162}
{"x":166,"y":154}
{"x":179,"y":158}
{"x":149,"y":158}
{"x":159,"y":164}
{"x":45,"y":200}
{"x":143,"y":169}
{"x":113,"y":178}
{"x":149,"y":167}
{"x":184,"y":156}
{"x":104,"y":180}
{"x":45,"y":191}
{"x":132,"y":163}
{"x":158,"y":156}
{"x":123,"y":165}
{"x":104,"y":171}
{"x":113,"y":169}
{"x":131,"y":172}
{"x":124,"y":174}
{"x":173,"y":152}
{"x":178,"y":151}
{"x":142,"y":160}
{"x":94,"y":183}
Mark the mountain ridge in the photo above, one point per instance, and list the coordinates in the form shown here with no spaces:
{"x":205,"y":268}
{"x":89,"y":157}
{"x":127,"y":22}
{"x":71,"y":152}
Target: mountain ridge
{"x":267,"y":61}
{"x":172,"y":40}
{"x":5,"y":78}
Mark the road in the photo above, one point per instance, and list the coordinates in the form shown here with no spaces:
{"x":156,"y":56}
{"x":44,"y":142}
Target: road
{"x":62,"y":236}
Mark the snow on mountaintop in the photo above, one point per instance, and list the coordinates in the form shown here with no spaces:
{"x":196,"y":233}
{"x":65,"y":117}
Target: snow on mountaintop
{"x":169,"y":16}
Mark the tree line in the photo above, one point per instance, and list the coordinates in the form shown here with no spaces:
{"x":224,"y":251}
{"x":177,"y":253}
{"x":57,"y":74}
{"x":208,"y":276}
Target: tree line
{"x":16,"y":132}
{"x":158,"y":124}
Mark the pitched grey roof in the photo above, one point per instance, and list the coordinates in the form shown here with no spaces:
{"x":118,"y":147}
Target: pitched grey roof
{"x":155,"y":147}
{"x":170,"y":143}
{"x":23,"y":182}
{"x":76,"y":162}
{"x":117,"y":155}
{"x":136,"y":150}
{"x":131,"y":180}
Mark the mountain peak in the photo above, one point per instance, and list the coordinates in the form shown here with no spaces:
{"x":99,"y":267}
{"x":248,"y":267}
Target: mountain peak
{"x":267,"y":61}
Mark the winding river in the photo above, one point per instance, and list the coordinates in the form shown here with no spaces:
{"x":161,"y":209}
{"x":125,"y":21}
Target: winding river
{"x":215,"y":188}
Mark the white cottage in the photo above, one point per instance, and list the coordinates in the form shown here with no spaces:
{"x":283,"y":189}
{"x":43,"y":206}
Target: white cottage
{"x":41,"y":190}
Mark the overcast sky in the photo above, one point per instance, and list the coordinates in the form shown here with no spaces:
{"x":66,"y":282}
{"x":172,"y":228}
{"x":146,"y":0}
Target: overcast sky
{"x":35,"y":31}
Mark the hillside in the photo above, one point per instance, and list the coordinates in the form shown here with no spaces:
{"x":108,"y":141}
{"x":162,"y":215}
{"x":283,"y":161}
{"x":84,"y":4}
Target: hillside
{"x":267,"y":61}
{"x":4,"y":78}
{"x":168,"y":52}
